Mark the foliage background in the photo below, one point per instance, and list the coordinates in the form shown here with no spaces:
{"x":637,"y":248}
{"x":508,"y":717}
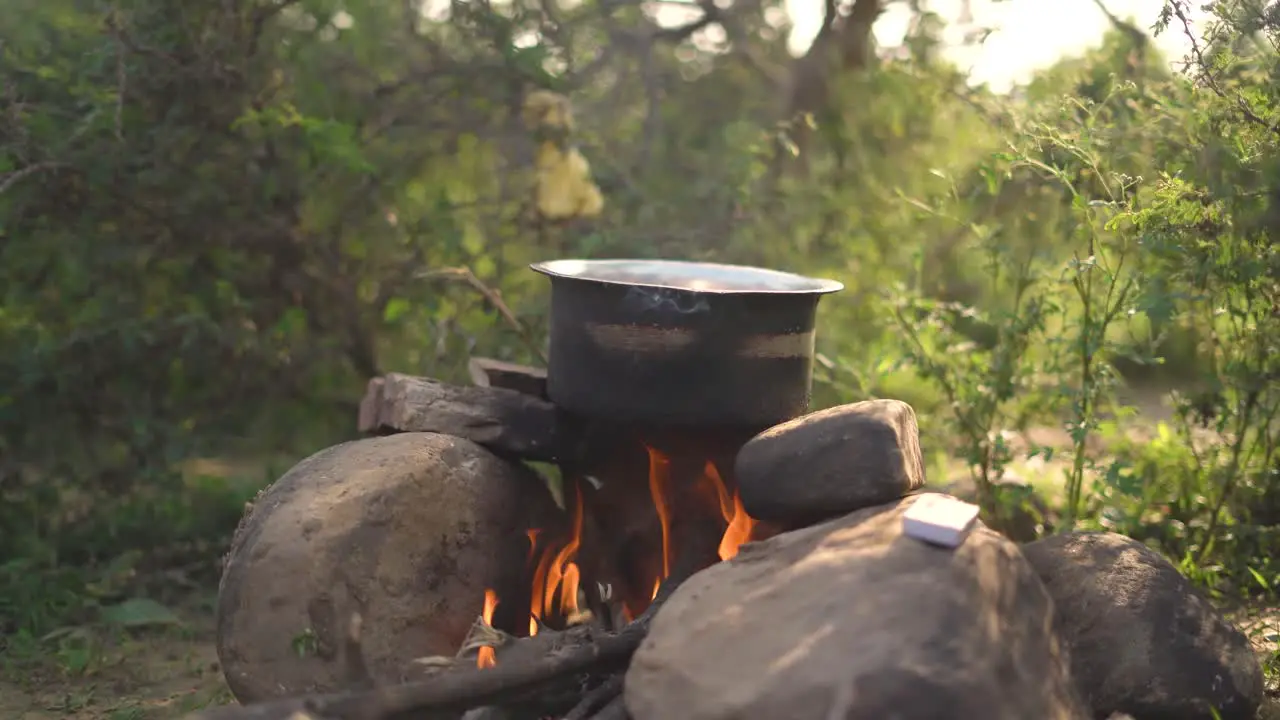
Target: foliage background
{"x":217,"y":220}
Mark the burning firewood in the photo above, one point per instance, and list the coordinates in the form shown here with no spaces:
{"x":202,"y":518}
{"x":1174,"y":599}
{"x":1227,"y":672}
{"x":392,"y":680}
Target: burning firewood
{"x":646,"y":506}
{"x":536,"y":674}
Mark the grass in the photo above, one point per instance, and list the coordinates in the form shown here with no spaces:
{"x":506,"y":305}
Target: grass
{"x":1262,"y":625}
{"x":133,"y":638}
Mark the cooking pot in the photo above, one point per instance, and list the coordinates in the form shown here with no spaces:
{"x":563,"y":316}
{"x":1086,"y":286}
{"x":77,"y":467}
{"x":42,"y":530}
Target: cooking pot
{"x":676,"y":342}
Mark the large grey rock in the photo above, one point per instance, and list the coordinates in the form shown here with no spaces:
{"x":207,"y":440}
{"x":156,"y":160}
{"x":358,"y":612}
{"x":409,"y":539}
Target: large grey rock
{"x":1142,"y":640}
{"x":851,"y":619}
{"x":831,"y":462}
{"x":407,"y":530}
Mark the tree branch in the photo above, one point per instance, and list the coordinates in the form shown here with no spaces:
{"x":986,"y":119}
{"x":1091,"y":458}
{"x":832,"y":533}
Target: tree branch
{"x":259,"y":22}
{"x":1139,"y":38}
{"x":1209,"y":80}
{"x":8,"y":180}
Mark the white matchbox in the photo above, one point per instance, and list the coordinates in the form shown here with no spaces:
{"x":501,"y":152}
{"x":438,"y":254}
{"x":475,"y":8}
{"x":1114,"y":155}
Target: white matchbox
{"x":939,"y":520}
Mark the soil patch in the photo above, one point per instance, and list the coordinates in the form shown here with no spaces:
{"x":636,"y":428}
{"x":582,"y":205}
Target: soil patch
{"x":97,"y":674}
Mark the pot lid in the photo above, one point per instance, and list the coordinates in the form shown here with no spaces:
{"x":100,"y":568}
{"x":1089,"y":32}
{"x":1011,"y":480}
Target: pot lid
{"x":686,"y":275}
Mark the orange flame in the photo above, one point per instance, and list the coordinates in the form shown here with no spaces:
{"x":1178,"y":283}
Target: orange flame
{"x":557,"y":572}
{"x":557,"y":576}
{"x":486,"y":657}
{"x":532,"y":534}
{"x":740,"y":523}
{"x":659,"y":475}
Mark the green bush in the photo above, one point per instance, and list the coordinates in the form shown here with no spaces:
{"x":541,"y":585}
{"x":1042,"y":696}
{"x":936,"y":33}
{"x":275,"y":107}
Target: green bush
{"x":215,"y":224}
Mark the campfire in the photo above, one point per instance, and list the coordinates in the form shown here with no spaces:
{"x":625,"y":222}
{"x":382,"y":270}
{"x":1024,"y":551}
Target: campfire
{"x":697,"y":359}
{"x":645,"y":506}
{"x":559,"y":596}
{"x":697,"y":496}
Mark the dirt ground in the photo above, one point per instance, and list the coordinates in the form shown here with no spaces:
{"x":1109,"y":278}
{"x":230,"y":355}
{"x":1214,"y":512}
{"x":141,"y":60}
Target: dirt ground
{"x":152,"y":674}
{"x":164,"y":674}
{"x":1262,"y":625}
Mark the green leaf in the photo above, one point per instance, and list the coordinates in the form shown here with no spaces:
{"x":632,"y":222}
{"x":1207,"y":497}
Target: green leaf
{"x":139,"y":612}
{"x":1257,"y":576}
{"x":396,"y":309}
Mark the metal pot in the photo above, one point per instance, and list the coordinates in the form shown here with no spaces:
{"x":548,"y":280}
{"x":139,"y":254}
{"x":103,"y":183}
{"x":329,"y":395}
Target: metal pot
{"x":674,"y":342}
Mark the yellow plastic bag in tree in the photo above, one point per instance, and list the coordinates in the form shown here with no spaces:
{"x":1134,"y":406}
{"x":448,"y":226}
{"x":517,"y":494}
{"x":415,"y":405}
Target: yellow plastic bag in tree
{"x":564,"y":186}
{"x":545,"y":109}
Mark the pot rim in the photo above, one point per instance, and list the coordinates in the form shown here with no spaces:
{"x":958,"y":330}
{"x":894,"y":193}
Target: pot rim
{"x":784,"y":283}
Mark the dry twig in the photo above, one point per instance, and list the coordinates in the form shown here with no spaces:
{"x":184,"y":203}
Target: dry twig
{"x":8,"y":180}
{"x":495,"y":298}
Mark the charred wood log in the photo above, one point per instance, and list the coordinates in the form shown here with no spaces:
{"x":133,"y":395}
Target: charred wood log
{"x":504,"y":421}
{"x":371,"y":407}
{"x":615,"y":710}
{"x":597,"y":700}
{"x":490,"y":712}
{"x":487,"y":372}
